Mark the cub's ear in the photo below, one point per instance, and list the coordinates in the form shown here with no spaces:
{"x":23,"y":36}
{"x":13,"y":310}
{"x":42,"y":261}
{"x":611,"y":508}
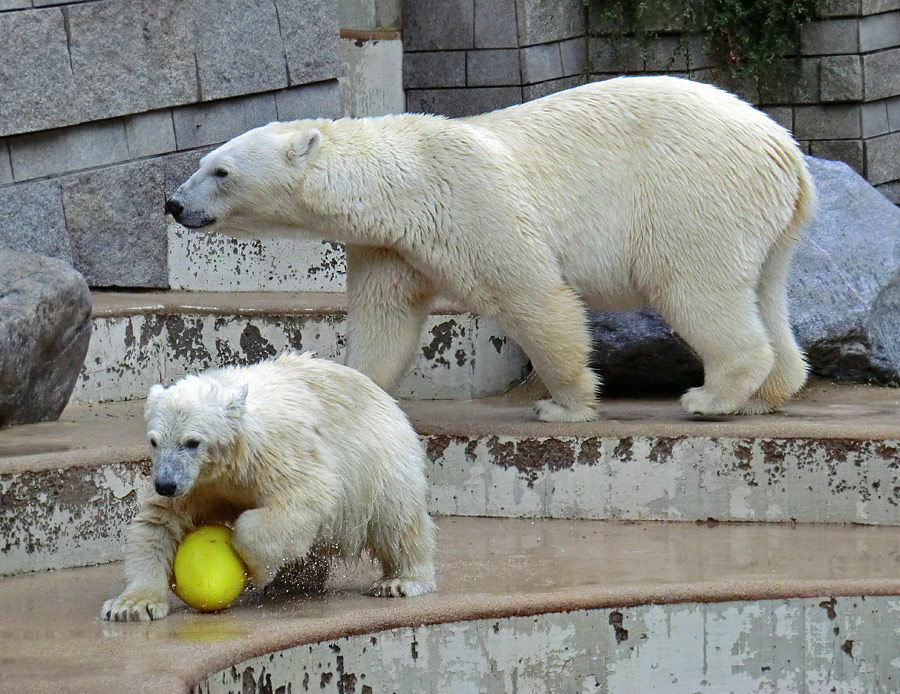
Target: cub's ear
{"x":235,"y":401}
{"x":303,"y":145}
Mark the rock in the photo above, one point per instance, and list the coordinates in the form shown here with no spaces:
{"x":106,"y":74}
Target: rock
{"x":844,"y":300}
{"x":845,"y":288}
{"x":45,"y":327}
{"x":637,"y":353}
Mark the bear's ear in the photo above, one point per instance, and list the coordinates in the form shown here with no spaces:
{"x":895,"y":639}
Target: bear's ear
{"x":235,"y":401}
{"x":303,"y":145}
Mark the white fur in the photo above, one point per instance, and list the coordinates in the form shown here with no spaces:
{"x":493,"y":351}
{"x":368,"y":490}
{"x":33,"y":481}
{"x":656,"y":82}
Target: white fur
{"x":304,"y":457}
{"x":617,"y":194}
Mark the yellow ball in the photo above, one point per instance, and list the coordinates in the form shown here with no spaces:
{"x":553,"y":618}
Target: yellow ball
{"x":207,"y":573}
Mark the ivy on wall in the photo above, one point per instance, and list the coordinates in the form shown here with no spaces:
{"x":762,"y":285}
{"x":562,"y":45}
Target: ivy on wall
{"x":749,"y":36}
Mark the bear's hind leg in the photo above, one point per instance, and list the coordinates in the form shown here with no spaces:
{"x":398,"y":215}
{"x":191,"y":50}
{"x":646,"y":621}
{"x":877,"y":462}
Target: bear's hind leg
{"x":789,"y":373}
{"x":388,"y":303}
{"x":724,"y":328}
{"x":406,"y":555}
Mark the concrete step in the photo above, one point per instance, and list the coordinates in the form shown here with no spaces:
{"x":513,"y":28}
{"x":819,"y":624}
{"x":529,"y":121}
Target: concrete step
{"x":69,"y":488}
{"x":522,"y":605}
{"x":142,"y":338}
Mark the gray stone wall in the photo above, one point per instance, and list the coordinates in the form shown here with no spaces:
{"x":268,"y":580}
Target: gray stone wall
{"x":840,"y":97}
{"x":109,"y":104}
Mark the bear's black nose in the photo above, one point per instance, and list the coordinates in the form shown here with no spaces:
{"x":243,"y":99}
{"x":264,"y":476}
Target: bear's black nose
{"x":165,"y":488}
{"x":174,"y":208}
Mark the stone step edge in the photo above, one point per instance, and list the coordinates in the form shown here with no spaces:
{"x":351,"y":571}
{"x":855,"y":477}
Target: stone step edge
{"x":114,"y":304}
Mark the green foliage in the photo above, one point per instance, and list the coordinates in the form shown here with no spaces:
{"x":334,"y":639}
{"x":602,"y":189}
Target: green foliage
{"x":748,"y":36}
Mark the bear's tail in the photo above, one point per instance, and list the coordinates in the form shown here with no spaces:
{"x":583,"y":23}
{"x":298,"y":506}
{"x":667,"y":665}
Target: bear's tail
{"x":807,"y":201}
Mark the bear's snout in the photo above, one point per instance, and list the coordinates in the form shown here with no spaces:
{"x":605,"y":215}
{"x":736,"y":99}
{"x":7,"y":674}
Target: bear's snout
{"x":165,"y":487}
{"x":174,"y":208}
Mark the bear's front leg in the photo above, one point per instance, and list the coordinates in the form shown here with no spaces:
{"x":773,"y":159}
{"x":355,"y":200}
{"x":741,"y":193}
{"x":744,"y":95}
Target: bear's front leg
{"x":267,"y":538}
{"x":388,"y":303}
{"x":153,"y":537}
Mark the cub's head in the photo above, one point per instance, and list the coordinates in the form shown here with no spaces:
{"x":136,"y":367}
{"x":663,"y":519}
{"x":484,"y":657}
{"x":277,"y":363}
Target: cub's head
{"x":249,"y":181}
{"x":189,"y":426}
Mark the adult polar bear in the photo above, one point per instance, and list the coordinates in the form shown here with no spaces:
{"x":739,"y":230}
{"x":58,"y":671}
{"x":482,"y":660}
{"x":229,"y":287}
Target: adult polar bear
{"x":616,"y":194}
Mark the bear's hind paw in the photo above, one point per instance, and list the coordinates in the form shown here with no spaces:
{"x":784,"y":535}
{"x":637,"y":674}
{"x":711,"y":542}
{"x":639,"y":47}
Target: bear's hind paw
{"x":400,"y":587}
{"x":550,"y":411}
{"x":136,"y":607}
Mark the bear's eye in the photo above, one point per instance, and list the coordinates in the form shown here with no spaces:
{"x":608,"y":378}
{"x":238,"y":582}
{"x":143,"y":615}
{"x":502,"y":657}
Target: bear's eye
{"x":220,"y":173}
{"x":153,"y":443}
{"x":191,"y":443}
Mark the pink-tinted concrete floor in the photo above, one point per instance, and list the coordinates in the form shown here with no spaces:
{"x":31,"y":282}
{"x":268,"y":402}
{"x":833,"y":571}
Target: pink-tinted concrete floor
{"x":52,"y":640}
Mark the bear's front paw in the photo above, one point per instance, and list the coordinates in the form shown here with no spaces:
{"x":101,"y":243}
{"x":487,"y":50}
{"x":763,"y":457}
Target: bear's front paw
{"x":550,"y":411}
{"x":135,"y":607}
{"x":701,"y":402}
{"x":400,"y":587}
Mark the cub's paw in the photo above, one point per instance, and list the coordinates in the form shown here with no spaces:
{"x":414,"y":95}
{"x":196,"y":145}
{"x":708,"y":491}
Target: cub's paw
{"x":135,"y":607}
{"x":400,"y":587}
{"x":701,"y":401}
{"x":757,"y":405}
{"x":550,"y":411}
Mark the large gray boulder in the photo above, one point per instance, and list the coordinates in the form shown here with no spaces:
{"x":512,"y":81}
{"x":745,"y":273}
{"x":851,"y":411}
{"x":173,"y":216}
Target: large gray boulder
{"x":844,"y":298}
{"x":45,"y":327}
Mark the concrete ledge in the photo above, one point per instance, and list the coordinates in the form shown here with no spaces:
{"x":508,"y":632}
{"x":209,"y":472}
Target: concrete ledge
{"x":488,"y":569}
{"x":832,"y":456}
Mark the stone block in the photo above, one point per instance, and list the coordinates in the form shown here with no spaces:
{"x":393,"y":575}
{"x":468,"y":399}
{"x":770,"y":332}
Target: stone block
{"x":891,"y":191}
{"x":879,"y":31}
{"x":743,"y":86}
{"x":45,"y":327}
{"x":882,"y":71}
{"x":14,"y":5}
{"x":848,"y":151}
{"x":893,"y":110}
{"x":68,"y":149}
{"x":536,"y":91}
{"x":828,"y":122}
{"x":32,"y":219}
{"x":117,"y":224}
{"x":830,"y":37}
{"x":177,"y":168}
{"x":574,"y":56}
{"x":38,"y":85}
{"x":462,"y":102}
{"x":218,"y":121}
{"x":5,"y":163}
{"x":868,"y":7}
{"x":783,"y":115}
{"x":318,"y":100}
{"x":655,"y":16}
{"x":542,"y":22}
{"x":150,"y":133}
{"x":493,"y":68}
{"x":541,"y":63}
{"x":793,"y":81}
{"x":883,"y":158}
{"x":615,"y":55}
{"x":128,"y":57}
{"x":432,"y":69}
{"x":310,"y":33}
{"x":438,"y":26}
{"x":873,"y":118}
{"x":837,"y":8}
{"x":841,"y":78}
{"x":242,"y":54}
{"x":495,"y":24}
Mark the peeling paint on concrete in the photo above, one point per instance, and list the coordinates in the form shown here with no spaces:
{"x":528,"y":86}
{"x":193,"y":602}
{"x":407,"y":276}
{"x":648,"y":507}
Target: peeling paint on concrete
{"x":215,"y":263}
{"x":69,"y":517}
{"x":690,"y":478}
{"x":781,"y":646}
{"x":128,"y":354}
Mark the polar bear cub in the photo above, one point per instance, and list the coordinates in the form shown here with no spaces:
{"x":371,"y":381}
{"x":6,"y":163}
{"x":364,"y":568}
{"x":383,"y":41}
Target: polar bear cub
{"x":305,"y":458}
{"x":618,"y":194}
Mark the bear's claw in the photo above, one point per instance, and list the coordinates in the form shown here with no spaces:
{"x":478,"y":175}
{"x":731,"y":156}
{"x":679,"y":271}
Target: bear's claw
{"x":135,"y":608}
{"x":399,"y":588}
